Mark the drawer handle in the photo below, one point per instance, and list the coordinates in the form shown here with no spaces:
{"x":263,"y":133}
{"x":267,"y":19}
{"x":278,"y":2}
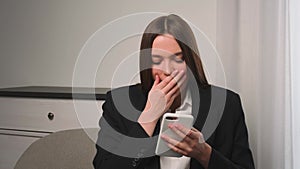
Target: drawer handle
{"x":50,"y":116}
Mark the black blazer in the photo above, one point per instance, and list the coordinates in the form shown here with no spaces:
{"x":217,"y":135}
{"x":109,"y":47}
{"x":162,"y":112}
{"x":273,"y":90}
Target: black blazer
{"x":120,"y":141}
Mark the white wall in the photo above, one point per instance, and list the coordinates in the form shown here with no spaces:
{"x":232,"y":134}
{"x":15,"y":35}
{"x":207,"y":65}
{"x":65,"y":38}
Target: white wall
{"x":40,"y":40}
{"x":237,"y":37}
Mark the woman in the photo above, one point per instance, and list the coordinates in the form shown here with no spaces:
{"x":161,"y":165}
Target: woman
{"x":172,"y":80}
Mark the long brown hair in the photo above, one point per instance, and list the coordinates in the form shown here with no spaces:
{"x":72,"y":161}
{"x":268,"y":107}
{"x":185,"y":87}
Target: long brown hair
{"x":181,"y":31}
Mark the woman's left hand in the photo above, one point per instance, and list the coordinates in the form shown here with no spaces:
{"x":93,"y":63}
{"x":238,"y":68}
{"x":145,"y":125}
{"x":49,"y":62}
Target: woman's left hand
{"x":192,"y":144}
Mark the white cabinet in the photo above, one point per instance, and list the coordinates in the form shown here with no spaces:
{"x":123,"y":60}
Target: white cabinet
{"x":48,"y":115}
{"x":23,"y":120}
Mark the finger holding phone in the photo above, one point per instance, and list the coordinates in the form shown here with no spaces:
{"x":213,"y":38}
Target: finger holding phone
{"x":192,"y":143}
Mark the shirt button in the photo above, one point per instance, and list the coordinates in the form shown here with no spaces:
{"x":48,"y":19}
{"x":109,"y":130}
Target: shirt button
{"x":140,"y":155}
{"x":133,"y":163}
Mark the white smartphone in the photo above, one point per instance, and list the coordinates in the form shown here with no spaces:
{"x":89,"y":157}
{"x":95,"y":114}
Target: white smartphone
{"x":162,"y":148}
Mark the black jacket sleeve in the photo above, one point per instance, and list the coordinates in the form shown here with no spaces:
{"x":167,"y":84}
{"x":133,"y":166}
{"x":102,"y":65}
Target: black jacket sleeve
{"x":113,"y":139}
{"x":240,"y":156}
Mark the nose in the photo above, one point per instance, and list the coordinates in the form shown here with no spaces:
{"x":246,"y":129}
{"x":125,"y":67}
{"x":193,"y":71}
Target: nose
{"x":167,"y":68}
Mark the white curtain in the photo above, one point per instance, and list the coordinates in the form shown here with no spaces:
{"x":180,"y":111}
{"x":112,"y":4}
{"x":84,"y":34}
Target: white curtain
{"x":294,"y":53}
{"x":257,"y":41}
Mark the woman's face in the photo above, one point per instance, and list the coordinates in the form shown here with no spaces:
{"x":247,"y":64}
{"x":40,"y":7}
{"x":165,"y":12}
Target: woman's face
{"x":166,"y":57}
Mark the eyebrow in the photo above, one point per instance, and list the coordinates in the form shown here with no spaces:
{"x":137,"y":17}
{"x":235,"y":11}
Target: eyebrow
{"x":176,"y":54}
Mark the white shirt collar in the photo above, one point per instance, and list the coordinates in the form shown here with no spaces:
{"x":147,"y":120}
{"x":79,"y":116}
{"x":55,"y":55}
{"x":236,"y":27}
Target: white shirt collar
{"x":186,"y":106}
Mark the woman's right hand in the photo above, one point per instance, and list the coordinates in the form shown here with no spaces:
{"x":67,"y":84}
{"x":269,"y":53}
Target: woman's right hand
{"x":160,"y":98}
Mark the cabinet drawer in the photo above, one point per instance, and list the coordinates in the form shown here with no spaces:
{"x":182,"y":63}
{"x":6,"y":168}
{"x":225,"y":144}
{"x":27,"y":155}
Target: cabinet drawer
{"x":48,"y":114}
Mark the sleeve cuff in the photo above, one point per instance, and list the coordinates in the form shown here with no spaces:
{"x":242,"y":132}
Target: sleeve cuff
{"x":217,"y":160}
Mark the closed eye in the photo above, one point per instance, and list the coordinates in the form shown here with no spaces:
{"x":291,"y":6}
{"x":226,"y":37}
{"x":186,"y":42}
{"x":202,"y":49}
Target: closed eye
{"x":156,"y":59}
{"x":178,"y":58}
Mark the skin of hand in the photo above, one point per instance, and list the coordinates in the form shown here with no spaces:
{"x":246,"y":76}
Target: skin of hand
{"x":192,"y":143}
{"x":160,"y":98}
